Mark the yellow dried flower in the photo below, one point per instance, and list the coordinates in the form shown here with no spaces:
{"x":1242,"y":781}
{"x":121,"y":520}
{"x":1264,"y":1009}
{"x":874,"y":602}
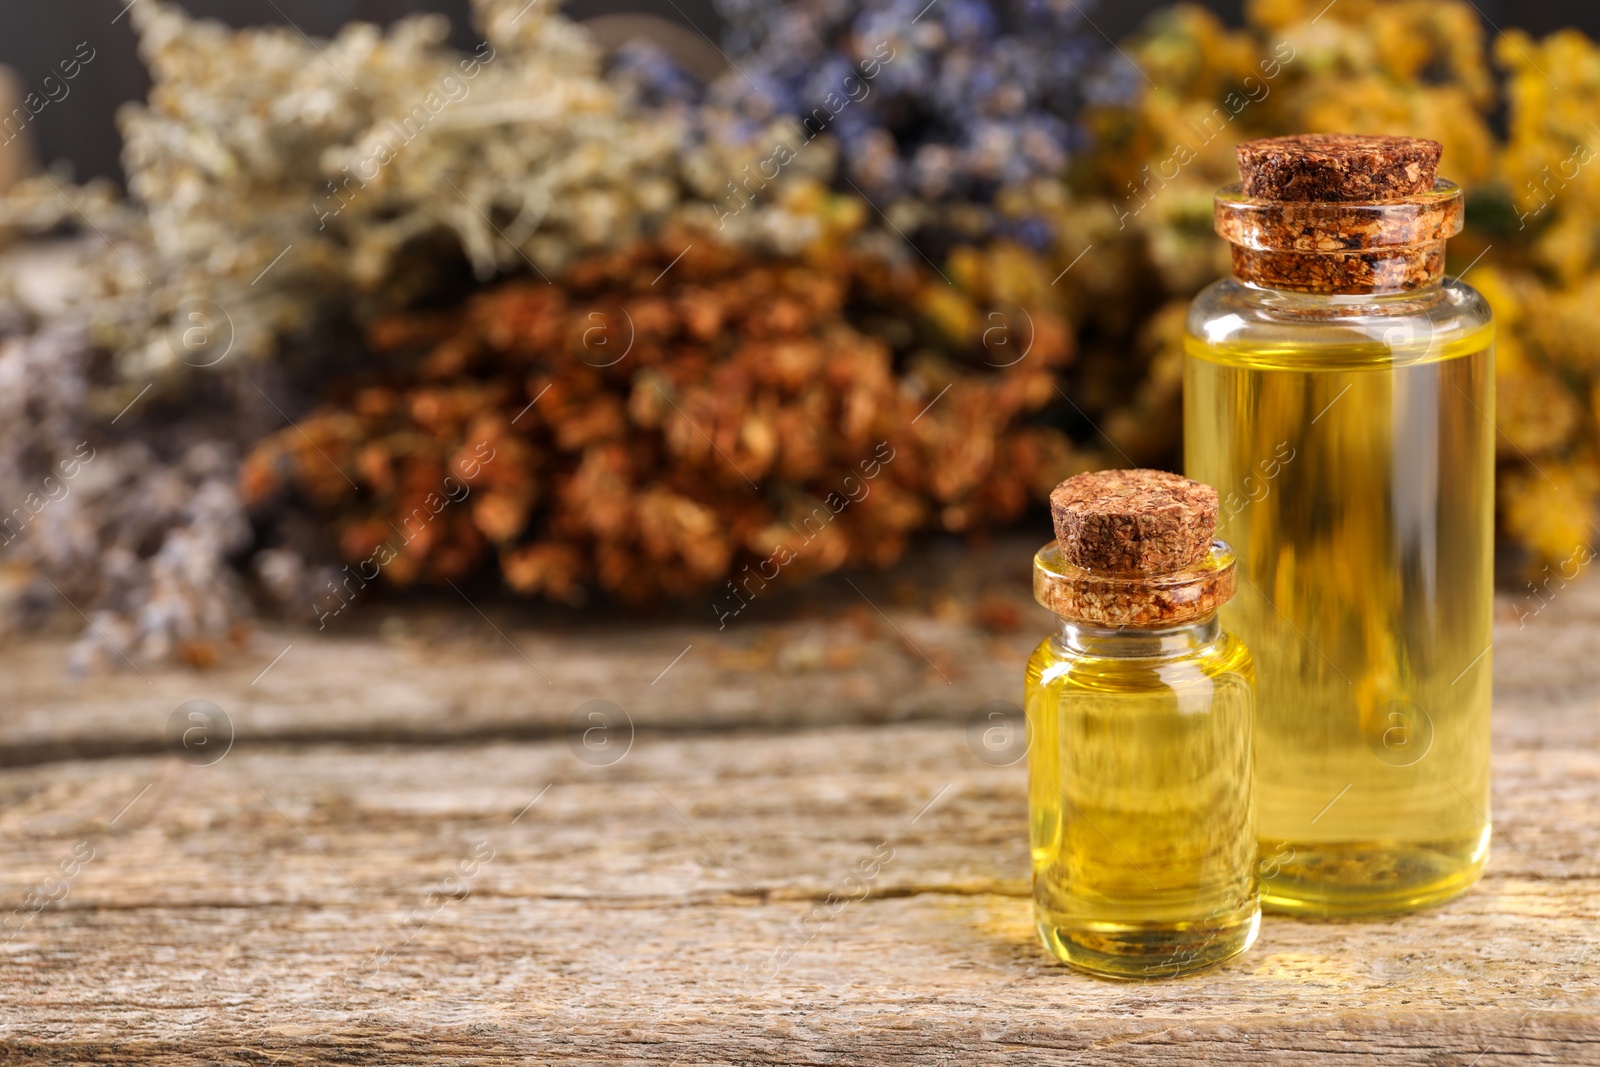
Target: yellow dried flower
{"x":1550,"y":509}
{"x":1411,"y":67}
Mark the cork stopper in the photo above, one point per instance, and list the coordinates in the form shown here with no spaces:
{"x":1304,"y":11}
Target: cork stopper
{"x":1322,"y":167}
{"x":1131,"y":523}
{"x":1133,"y":548}
{"x":1339,"y":213}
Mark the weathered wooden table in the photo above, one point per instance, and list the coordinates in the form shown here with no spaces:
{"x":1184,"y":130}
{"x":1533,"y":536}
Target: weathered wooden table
{"x":409,"y":855}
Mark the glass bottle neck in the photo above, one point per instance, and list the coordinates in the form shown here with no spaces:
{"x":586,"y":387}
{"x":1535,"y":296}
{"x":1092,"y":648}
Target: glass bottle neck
{"x":1292,"y":301}
{"x":1129,"y":642}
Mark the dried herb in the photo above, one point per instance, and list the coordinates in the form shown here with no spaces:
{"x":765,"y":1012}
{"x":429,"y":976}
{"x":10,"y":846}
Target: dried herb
{"x":673,"y":416}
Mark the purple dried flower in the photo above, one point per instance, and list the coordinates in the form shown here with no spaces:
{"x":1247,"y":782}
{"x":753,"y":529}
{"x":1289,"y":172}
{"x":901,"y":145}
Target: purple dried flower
{"x":949,"y":101}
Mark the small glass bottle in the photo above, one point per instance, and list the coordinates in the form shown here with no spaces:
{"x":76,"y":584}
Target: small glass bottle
{"x":1140,"y":716}
{"x":1339,"y":393}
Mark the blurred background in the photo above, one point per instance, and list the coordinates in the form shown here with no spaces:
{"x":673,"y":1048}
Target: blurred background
{"x":88,"y":137}
{"x":623,"y":306}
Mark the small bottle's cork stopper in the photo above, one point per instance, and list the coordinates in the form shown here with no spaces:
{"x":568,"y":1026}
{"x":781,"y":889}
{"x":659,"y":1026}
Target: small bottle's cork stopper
{"x":1322,"y":167}
{"x":1131,"y":523}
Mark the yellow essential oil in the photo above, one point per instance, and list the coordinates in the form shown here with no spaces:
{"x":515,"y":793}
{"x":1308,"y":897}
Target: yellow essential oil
{"x":1141,"y":817}
{"x":1356,"y":486}
{"x":1339,"y":393}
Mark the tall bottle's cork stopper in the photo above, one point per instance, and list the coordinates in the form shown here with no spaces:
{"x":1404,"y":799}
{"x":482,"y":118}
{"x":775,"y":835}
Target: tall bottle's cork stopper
{"x":1128,"y":523}
{"x":1324,"y":167}
{"x":1135,"y":549}
{"x":1339,"y":213}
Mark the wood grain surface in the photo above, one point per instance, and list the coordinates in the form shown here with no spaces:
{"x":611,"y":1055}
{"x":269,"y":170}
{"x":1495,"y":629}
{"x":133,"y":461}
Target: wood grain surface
{"x":406,"y":856}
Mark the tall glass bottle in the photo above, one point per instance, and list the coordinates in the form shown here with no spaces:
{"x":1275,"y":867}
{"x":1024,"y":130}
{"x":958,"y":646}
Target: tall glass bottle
{"x":1339,"y":393}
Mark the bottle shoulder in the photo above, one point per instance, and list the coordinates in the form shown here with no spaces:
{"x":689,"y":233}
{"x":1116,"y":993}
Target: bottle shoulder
{"x":1230,"y":311}
{"x":1223,"y":660}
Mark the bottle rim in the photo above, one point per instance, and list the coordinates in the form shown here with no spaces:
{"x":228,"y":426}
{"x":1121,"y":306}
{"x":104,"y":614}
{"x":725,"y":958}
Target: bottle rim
{"x":1339,"y":227}
{"x":1144,"y":601}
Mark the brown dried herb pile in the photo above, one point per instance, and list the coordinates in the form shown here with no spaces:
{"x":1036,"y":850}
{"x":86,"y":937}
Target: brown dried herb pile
{"x":670,"y":416}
